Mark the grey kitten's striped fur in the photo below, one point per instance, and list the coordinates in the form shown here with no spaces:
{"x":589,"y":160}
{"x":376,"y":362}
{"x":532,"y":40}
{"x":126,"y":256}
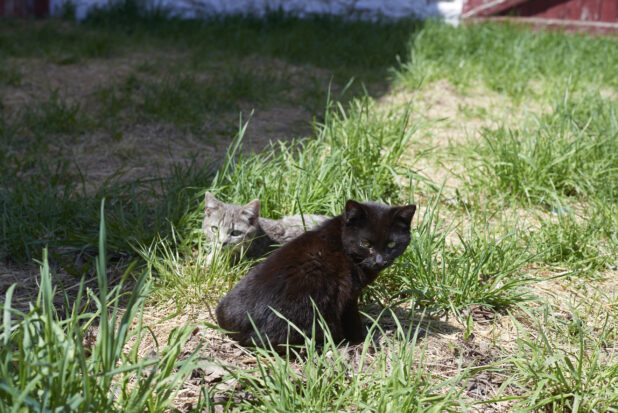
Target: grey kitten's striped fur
{"x":240,"y":228}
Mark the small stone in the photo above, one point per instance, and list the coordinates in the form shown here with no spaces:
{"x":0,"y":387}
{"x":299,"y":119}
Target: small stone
{"x":213,"y":373}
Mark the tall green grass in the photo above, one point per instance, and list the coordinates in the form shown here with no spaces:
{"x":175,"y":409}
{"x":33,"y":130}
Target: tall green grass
{"x":509,"y":59}
{"x":356,"y":154}
{"x":185,"y":101}
{"x":570,"y":153}
{"x":563,"y":238}
{"x":565,"y":366}
{"x":54,"y":116}
{"x":9,"y":75}
{"x":475,"y":267}
{"x":53,"y":209}
{"x":565,"y":163}
{"x":323,"y":377}
{"x":50,"y":361}
{"x":183,"y":272}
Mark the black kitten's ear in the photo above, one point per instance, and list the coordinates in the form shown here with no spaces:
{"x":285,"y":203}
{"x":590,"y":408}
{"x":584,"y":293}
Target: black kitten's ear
{"x":252,"y":211}
{"x":405,"y":213}
{"x":354,"y":211}
{"x":211,"y":203}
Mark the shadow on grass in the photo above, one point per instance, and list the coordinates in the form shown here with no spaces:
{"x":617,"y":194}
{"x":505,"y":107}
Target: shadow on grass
{"x":347,"y":49}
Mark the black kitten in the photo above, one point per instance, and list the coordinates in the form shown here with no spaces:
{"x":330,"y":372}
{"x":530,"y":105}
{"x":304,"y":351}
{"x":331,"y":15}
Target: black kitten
{"x":329,"y":266}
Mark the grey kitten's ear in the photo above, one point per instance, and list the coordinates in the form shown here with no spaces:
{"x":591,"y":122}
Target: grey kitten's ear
{"x":252,"y":211}
{"x":354,"y":211}
{"x":405,"y":213}
{"x":211,"y":203}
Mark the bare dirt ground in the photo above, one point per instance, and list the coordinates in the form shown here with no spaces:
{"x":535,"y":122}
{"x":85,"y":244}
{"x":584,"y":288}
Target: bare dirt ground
{"x":150,"y":148}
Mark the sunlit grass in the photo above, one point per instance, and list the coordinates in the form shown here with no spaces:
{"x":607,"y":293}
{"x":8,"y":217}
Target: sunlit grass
{"x":565,"y":366}
{"x":510,"y":59}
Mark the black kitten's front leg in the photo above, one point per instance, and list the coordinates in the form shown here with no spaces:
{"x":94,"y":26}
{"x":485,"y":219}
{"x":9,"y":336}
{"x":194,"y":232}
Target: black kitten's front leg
{"x":351,"y":322}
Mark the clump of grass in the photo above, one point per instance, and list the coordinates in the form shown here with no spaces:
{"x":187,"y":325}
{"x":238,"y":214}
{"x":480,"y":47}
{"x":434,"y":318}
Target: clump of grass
{"x":576,"y":375}
{"x":9,"y":75}
{"x":482,"y":268}
{"x":181,"y":100}
{"x":356,"y":154}
{"x":48,"y":361}
{"x":564,"y":239}
{"x":185,"y":101}
{"x":322,"y":378}
{"x":7,"y":134}
{"x":114,"y":110}
{"x":183,"y":271}
{"x":566,"y":163}
{"x":571,"y":152}
{"x":54,"y":117}
{"x":52,"y":209}
{"x":604,"y":219}
{"x":27,"y":133}
{"x":509,"y":58}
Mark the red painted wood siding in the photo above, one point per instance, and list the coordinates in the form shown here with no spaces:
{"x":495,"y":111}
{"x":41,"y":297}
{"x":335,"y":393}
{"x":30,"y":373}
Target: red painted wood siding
{"x":24,"y":8}
{"x":487,"y":7}
{"x":582,"y":10}
{"x":585,"y":10}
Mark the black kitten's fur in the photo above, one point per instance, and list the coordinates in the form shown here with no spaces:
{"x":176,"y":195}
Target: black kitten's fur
{"x":329,"y":265}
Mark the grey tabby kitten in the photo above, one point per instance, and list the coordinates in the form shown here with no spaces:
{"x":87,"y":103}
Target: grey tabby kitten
{"x":240,"y":228}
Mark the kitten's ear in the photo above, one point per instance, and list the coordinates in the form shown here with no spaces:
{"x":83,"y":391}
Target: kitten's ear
{"x":252,"y":211}
{"x":405,"y":213}
{"x":354,"y":211}
{"x":211,"y":203}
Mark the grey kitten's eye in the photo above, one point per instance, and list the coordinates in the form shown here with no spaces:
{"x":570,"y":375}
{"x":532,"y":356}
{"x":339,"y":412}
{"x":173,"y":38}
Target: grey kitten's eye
{"x":235,"y":233}
{"x":391,"y":244}
{"x":214,"y":228}
{"x":365,"y":243}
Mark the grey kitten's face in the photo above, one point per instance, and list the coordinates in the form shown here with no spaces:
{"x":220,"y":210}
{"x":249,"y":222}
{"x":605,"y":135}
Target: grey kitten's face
{"x":228,"y":226}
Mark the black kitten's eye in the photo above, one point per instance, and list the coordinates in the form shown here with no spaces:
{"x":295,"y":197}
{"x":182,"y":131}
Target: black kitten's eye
{"x":365,"y":243}
{"x":235,"y":233}
{"x":391,"y":244}
{"x":214,"y":228}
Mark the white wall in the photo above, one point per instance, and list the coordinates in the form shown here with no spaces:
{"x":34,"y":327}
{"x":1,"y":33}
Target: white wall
{"x":450,"y":10}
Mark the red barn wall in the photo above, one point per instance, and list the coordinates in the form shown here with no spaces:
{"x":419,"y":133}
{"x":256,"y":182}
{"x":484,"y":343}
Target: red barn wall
{"x":583,"y":10}
{"x":24,"y":8}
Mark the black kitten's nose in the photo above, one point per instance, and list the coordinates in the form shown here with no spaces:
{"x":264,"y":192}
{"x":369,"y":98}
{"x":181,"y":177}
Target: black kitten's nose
{"x":379,"y":259}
